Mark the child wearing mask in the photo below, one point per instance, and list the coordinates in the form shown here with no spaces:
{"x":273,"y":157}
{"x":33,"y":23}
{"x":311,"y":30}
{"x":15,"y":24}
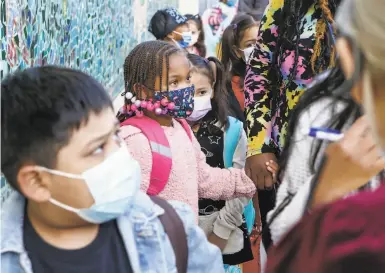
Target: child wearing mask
{"x":170,"y":26}
{"x":237,"y":45}
{"x":197,"y":45}
{"x":77,"y":205}
{"x":215,"y":21}
{"x":159,"y":95}
{"x":224,"y":143}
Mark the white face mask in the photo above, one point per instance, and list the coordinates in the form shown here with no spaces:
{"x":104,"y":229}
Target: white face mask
{"x":187,"y":38}
{"x":202,"y":105}
{"x":113,"y":184}
{"x":194,"y":39}
{"x":247,"y":53}
{"x":368,"y":104}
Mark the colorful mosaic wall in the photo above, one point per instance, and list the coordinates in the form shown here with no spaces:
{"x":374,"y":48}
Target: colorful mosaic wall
{"x":91,"y":35}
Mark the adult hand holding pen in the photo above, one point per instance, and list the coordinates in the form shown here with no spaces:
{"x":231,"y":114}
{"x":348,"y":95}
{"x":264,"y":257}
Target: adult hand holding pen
{"x":350,"y":163}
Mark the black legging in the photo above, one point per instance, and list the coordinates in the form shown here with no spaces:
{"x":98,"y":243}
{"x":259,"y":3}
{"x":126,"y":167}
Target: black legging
{"x":266,"y":204}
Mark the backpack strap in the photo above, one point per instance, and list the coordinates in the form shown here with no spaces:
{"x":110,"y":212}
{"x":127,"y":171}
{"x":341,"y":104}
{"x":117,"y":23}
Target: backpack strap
{"x":232,"y":135}
{"x":186,"y":127}
{"x":249,"y":214}
{"x":160,"y":150}
{"x":174,"y":228}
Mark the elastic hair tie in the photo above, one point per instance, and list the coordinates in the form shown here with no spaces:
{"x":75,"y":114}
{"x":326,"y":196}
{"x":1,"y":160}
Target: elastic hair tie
{"x":235,"y":26}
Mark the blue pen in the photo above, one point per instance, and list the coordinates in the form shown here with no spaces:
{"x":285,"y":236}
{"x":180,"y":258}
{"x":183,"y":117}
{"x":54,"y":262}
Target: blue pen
{"x":324,"y":134}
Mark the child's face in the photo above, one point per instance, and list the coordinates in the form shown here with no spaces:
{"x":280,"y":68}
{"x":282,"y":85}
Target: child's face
{"x":178,"y":73}
{"x":194,"y":31}
{"x":202,"y":84}
{"x":249,"y":37}
{"x":176,"y":34}
{"x":88,"y":146}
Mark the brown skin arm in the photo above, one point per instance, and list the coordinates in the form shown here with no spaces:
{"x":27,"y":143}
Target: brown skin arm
{"x":256,"y":169}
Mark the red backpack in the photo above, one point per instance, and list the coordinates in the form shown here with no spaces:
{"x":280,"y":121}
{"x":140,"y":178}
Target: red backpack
{"x":160,"y":149}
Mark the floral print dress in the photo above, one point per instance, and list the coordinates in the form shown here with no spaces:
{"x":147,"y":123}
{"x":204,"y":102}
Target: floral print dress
{"x":267,"y":115}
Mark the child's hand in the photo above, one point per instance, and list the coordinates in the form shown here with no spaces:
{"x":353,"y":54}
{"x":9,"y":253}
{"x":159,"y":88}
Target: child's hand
{"x":273,"y":167}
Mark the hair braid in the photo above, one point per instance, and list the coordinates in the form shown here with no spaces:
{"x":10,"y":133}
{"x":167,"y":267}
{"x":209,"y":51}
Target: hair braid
{"x":324,"y":5}
{"x":320,"y":34}
{"x":289,"y":34}
{"x":327,"y":18}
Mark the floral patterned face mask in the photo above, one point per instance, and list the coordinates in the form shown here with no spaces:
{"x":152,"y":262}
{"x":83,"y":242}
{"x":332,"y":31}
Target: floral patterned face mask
{"x":182,"y":101}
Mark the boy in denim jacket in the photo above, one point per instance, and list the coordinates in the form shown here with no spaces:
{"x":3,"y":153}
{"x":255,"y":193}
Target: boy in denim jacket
{"x":77,"y":205}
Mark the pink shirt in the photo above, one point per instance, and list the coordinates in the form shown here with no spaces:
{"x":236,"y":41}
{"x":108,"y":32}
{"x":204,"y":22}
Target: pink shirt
{"x":190,"y":176}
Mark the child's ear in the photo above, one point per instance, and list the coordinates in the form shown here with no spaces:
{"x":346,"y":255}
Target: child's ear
{"x":171,"y":36}
{"x":34,"y":184}
{"x":237,"y":52}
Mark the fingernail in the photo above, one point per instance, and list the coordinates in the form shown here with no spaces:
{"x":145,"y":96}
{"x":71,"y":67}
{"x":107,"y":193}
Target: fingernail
{"x":267,"y":163}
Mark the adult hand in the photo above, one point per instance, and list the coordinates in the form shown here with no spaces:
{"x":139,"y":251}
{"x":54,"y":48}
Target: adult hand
{"x":350,"y":164}
{"x":256,"y":169}
{"x":218,"y":241}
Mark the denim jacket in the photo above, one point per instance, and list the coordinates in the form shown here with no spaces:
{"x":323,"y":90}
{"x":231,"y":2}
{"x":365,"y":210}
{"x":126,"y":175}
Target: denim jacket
{"x":147,"y":245}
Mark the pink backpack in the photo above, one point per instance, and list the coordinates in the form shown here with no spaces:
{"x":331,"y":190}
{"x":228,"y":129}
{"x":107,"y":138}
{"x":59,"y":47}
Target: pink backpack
{"x":160,"y":149}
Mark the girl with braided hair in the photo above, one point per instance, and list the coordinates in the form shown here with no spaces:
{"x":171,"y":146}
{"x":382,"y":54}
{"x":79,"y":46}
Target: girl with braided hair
{"x":159,"y":94}
{"x":295,"y":42}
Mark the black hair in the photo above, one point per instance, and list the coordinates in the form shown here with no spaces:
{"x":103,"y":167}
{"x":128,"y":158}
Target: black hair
{"x":222,"y":105}
{"x":200,"y":44}
{"x":289,"y":36}
{"x":335,"y":87}
{"x":232,"y":36}
{"x":142,"y":66}
{"x":40,"y":108}
{"x":327,"y":87}
{"x":162,"y":23}
{"x":323,"y":89}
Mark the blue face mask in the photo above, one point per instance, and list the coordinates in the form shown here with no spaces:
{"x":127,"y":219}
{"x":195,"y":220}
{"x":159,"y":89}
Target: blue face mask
{"x":186,"y":39}
{"x":182,"y":99}
{"x":113,"y":185}
{"x":231,"y":3}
